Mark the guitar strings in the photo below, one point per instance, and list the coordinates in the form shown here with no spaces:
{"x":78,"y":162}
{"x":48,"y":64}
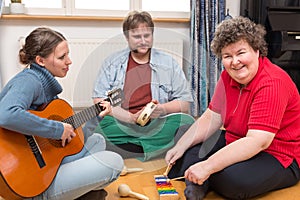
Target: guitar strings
{"x":78,"y":119}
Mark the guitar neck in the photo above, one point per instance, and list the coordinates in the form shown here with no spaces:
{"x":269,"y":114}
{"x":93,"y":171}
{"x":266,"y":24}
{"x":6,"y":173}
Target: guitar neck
{"x":85,"y":115}
{"x":115,"y":97}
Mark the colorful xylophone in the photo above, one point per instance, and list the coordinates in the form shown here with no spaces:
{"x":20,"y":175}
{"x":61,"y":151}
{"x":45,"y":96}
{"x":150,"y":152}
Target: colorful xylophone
{"x":165,"y":188}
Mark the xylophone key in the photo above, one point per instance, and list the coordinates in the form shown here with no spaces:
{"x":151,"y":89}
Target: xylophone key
{"x":165,"y":188}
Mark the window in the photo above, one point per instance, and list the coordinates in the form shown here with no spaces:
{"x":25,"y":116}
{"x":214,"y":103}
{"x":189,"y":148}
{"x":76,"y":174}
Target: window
{"x":166,"y":5}
{"x":102,"y":4}
{"x":43,"y":3}
{"x":40,"y":3}
{"x":115,"y":8}
{"x":167,"y":8}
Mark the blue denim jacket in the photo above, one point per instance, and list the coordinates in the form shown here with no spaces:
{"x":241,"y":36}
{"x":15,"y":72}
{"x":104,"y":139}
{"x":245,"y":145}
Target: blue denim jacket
{"x":168,"y":80}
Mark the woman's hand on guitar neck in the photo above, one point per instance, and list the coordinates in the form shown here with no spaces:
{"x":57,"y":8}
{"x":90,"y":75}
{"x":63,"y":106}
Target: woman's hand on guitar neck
{"x":68,"y":134}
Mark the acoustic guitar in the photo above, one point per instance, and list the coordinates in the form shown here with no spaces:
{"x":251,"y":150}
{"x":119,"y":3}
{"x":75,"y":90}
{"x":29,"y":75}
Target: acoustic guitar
{"x":28,"y":163}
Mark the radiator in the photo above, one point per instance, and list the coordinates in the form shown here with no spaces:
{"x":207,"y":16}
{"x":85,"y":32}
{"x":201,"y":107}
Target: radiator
{"x":87,"y":56}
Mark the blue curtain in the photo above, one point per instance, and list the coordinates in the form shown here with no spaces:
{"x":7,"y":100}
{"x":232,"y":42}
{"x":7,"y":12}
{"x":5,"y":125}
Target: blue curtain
{"x":205,"y":67}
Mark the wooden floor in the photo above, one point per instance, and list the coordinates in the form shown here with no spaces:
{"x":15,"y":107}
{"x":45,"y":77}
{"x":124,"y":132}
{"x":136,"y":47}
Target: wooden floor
{"x":143,"y":182}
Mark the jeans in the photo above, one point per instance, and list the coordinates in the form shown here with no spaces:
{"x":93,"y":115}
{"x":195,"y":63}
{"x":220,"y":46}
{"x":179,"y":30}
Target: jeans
{"x":91,"y":169}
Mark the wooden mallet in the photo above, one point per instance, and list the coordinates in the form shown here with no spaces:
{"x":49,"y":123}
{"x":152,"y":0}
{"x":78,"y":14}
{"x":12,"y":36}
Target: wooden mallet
{"x":130,"y":170}
{"x":167,"y":170}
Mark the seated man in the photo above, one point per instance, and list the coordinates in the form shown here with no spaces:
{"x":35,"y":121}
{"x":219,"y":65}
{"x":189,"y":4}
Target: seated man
{"x":145,"y":75}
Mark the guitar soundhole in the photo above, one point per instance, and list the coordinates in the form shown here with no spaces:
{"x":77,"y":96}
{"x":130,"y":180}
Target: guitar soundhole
{"x":55,"y":143}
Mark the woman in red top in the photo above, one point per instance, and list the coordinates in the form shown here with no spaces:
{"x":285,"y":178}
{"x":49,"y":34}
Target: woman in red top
{"x":258,"y":105}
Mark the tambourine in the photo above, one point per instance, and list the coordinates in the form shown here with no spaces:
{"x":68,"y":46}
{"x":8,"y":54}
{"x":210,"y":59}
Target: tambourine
{"x":145,"y":115}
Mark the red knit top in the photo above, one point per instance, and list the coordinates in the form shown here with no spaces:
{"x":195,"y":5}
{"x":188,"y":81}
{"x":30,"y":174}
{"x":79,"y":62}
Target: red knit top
{"x":270,"y":102}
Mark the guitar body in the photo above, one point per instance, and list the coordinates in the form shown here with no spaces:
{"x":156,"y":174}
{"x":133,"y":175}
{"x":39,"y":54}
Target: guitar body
{"x":21,"y":175}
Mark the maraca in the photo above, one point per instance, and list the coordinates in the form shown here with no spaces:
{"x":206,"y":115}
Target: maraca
{"x":124,"y":191}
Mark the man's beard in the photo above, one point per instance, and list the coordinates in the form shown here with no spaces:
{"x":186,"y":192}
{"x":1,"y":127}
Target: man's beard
{"x":137,"y":51}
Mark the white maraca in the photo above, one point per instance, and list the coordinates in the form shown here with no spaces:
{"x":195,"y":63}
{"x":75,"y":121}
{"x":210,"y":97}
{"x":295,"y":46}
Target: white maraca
{"x":124,"y":191}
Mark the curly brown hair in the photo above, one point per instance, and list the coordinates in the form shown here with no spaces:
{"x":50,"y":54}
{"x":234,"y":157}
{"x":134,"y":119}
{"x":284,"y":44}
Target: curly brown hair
{"x":239,"y":28}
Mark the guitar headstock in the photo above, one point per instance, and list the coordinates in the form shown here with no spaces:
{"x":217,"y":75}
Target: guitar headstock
{"x":115,"y":96}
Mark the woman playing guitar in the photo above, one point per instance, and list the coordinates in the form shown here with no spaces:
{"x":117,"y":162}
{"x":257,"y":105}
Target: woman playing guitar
{"x":42,"y":152}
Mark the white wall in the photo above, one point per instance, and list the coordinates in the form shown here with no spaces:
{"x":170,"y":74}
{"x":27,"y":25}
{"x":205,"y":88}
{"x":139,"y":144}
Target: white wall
{"x":12,"y":30}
